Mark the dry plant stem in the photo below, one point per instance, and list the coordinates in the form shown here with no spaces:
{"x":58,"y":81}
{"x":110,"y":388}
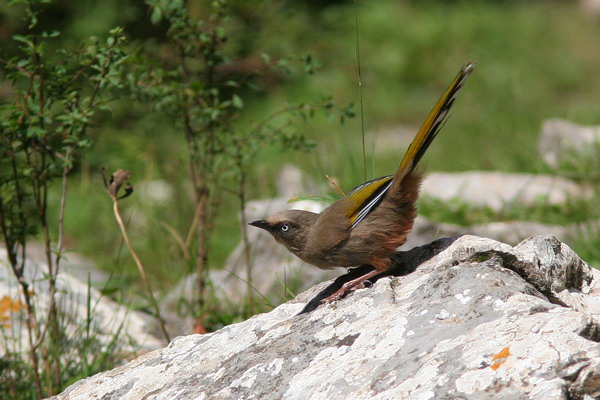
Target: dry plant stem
{"x":202,"y":253}
{"x":335,"y":185}
{"x":199,"y":225}
{"x":140,"y":267}
{"x":360,"y":90}
{"x":193,"y":229}
{"x":58,"y":255}
{"x":61,"y":218}
{"x":248,"y":261}
{"x":177,"y":237}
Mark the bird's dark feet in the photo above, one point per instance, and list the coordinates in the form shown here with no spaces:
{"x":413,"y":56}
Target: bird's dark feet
{"x":343,"y":291}
{"x":359,"y":283}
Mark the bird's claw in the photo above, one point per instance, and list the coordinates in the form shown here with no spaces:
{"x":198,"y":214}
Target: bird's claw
{"x":346,"y":289}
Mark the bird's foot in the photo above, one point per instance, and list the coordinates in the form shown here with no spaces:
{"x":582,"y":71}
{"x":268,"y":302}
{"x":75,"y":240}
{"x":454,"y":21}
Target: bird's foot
{"x":361,"y":282}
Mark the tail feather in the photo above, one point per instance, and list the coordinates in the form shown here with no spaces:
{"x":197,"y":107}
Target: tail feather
{"x":433,"y":123}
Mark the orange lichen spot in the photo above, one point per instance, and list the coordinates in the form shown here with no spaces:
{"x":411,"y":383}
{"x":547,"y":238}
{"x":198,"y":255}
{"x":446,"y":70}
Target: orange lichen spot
{"x":504,"y":353}
{"x":8,"y":306}
{"x":500,"y":358}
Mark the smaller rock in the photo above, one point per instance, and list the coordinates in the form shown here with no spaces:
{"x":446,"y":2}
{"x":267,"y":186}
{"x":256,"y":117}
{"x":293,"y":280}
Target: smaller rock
{"x":498,"y":189}
{"x":293,"y":182}
{"x":565,"y":143}
{"x":154,"y":192}
{"x":590,"y":6}
{"x":394,"y":139}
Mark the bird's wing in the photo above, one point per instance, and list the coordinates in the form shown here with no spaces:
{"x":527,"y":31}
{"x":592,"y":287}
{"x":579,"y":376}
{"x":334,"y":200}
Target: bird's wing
{"x":361,"y":200}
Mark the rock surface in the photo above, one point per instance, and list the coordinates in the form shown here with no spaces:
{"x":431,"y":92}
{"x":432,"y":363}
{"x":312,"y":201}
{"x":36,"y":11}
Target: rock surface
{"x":562,"y":142}
{"x":499,"y":189}
{"x":478,"y":319}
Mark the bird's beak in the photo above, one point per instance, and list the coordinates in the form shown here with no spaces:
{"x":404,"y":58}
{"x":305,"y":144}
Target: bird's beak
{"x":262,"y":224}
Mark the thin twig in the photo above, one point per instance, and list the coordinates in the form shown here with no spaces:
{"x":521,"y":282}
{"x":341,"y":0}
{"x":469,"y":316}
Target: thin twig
{"x":140,"y":267}
{"x":335,"y":185}
{"x":58,"y":253}
{"x":178,"y":239}
{"x":243,"y":225}
{"x":193,"y":228}
{"x":117,"y":180}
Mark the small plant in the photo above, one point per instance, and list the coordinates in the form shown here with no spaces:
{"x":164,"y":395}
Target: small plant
{"x":44,"y":132}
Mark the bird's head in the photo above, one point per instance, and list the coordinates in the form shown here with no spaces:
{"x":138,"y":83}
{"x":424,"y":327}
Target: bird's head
{"x":289,"y":227}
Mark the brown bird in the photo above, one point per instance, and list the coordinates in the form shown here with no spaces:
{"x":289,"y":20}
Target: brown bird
{"x":370,"y":222}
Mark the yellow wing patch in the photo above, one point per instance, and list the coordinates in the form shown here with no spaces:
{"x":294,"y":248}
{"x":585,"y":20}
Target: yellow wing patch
{"x":360,"y":201}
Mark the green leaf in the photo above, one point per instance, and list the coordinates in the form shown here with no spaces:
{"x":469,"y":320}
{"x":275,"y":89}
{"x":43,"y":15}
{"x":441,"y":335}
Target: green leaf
{"x":237,"y":102}
{"x":23,"y":39}
{"x":266,"y":58}
{"x":156,"y":16}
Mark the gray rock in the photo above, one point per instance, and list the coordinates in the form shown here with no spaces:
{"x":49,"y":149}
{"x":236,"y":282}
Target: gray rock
{"x":392,"y":139}
{"x":156,"y":192}
{"x":478,"y":319}
{"x":563,"y":142}
{"x":498,"y":189}
{"x":292,"y":182}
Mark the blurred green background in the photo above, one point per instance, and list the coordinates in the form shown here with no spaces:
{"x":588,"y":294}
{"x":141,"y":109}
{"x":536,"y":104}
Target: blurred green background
{"x":535,"y":60}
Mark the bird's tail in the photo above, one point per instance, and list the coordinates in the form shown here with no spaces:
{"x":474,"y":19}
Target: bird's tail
{"x":432,"y":125}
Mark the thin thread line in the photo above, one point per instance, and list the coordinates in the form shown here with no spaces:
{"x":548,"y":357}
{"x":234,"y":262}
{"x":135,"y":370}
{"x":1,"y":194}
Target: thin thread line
{"x":360,"y":92}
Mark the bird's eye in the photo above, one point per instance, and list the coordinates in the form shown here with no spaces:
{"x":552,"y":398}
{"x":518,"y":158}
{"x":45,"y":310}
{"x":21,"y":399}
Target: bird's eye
{"x":285,"y":228}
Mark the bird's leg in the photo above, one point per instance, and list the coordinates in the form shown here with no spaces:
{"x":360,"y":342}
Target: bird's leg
{"x":350,"y":286}
{"x":381,"y":265}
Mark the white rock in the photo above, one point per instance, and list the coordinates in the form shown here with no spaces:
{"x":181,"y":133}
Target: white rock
{"x":563,"y":142}
{"x":498,"y":189}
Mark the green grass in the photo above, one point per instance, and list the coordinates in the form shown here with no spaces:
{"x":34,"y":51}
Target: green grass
{"x":460,"y":212}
